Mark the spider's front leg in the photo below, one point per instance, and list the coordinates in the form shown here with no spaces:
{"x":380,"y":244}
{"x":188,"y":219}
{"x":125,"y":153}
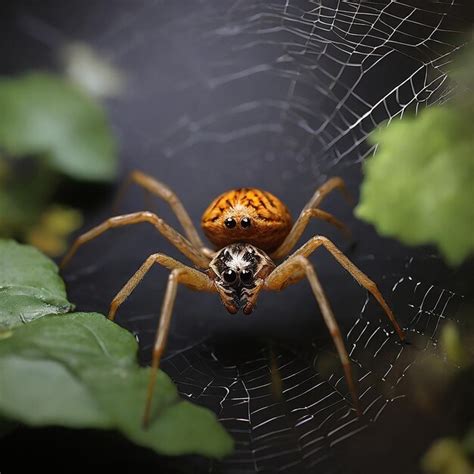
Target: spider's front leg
{"x":180,"y":273}
{"x":292,"y":270}
{"x":319,"y":241}
{"x":189,"y":278}
{"x":310,"y":211}
{"x":174,"y":237}
{"x":193,"y":279}
{"x":152,"y":186}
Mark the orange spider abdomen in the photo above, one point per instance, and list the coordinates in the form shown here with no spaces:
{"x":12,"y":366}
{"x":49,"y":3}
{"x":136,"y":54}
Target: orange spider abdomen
{"x":247,"y":215}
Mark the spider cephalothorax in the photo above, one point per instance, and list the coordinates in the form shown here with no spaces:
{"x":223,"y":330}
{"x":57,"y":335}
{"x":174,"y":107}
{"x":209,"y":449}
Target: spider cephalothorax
{"x":244,"y":225}
{"x":238,"y":271}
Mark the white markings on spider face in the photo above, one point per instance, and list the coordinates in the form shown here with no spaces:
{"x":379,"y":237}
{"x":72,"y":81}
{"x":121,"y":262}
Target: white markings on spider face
{"x":236,"y":272}
{"x":235,"y":259}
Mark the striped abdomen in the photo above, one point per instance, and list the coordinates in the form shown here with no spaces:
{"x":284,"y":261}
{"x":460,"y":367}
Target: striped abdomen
{"x":247,"y":215}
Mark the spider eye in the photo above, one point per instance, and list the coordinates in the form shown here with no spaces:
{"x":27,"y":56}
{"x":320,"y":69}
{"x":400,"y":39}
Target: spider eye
{"x":246,"y":276}
{"x":245,"y":222}
{"x":230,"y":223}
{"x":229,"y":276}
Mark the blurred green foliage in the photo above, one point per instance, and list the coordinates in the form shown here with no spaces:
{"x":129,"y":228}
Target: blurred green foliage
{"x":453,"y":455}
{"x":452,"y":345}
{"x":446,"y":456}
{"x":63,"y":132}
{"x":419,"y":186}
{"x":45,"y":115}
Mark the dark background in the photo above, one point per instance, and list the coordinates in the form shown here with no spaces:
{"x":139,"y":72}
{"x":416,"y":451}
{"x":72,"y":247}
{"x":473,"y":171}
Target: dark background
{"x":278,"y":95}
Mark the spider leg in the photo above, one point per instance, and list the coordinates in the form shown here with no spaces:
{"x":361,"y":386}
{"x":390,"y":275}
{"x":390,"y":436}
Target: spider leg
{"x":157,"y":188}
{"x":278,"y":279}
{"x":317,"y":241}
{"x":310,"y":210}
{"x":326,"y":188}
{"x":299,"y":227}
{"x":180,"y":242}
{"x":190,"y":277}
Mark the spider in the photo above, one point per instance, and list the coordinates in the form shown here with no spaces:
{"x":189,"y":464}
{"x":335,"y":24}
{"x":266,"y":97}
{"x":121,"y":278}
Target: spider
{"x":251,"y":230}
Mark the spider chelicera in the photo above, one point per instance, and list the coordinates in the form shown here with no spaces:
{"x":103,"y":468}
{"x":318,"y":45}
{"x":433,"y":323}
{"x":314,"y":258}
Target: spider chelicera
{"x":250,"y":229}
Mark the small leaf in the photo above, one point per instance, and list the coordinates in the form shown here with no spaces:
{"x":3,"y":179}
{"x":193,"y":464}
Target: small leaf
{"x":450,"y":341}
{"x":30,"y":286}
{"x":51,"y":231}
{"x":45,"y":115}
{"x":446,"y":456}
{"x":419,"y":187}
{"x":80,"y":370}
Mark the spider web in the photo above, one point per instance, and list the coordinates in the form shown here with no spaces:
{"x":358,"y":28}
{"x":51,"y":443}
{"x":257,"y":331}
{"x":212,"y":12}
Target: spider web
{"x":296,"y":86}
{"x":287,"y":405}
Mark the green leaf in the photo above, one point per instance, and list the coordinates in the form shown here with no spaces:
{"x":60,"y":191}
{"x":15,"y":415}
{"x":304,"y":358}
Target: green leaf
{"x":30,"y":286}
{"x":45,"y":115}
{"x":44,"y":392}
{"x":177,"y":426}
{"x":80,"y":371}
{"x":419,"y":187}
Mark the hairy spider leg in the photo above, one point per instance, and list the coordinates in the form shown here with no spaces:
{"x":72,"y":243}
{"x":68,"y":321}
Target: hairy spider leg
{"x":300,"y":226}
{"x":127,"y":289}
{"x":326,"y":188}
{"x":161,"y":190}
{"x":174,"y":237}
{"x":193,"y":279}
{"x":317,"y":241}
{"x":303,"y":220}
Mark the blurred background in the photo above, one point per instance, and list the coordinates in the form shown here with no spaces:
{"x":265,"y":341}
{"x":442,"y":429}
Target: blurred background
{"x":208,"y":95}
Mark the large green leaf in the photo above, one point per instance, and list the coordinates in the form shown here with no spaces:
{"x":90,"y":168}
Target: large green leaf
{"x":178,"y":426}
{"x":80,"y":370}
{"x":43,"y":114}
{"x":30,"y":286}
{"x":419,"y":187}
